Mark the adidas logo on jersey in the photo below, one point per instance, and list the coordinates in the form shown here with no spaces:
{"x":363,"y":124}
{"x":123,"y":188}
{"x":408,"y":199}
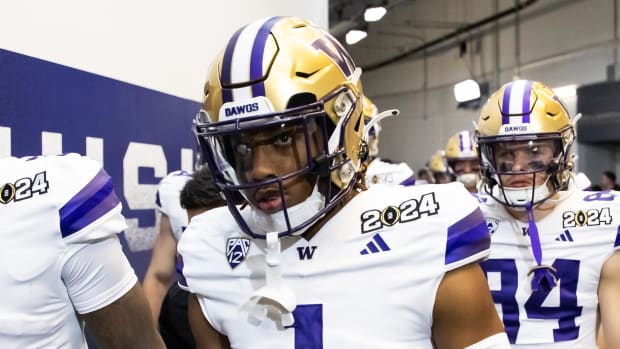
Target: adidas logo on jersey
{"x":376,"y":245}
{"x":565,"y":236}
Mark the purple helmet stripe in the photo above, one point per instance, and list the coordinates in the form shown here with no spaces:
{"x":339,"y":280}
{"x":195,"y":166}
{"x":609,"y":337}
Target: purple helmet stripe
{"x":506,"y":104}
{"x":258,"y":50}
{"x":225,"y":77}
{"x":527,"y":92}
{"x":461,"y":145}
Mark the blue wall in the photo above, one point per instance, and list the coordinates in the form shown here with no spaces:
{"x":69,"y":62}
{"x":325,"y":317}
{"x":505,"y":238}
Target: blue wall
{"x":38,"y":96}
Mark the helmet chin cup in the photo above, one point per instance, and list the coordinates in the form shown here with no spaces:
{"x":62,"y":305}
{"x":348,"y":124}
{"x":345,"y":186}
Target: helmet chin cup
{"x":263,"y":223}
{"x":520,"y":197}
{"x":469,"y":180}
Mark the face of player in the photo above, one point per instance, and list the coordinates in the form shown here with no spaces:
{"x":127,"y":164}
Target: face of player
{"x":442,"y":178}
{"x":278,"y":151}
{"x":521,"y":159}
{"x":462,"y":167}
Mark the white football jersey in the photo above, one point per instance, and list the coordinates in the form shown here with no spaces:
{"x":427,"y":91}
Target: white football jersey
{"x":576,"y":239}
{"x":367,"y":279}
{"x":51,"y":207}
{"x":381,"y":172}
{"x":168,"y":200}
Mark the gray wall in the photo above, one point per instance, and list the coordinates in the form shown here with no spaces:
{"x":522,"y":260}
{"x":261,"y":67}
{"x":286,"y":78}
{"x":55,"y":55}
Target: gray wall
{"x":558,"y":42}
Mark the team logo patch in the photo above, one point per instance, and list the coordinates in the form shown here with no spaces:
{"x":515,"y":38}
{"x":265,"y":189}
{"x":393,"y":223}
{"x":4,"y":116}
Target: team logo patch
{"x":587,"y":218}
{"x":236,"y":251}
{"x":408,"y":211}
{"x":492,"y":224}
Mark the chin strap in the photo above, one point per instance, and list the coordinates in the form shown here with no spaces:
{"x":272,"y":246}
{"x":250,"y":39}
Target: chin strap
{"x":273,"y":298}
{"x":545,"y":276}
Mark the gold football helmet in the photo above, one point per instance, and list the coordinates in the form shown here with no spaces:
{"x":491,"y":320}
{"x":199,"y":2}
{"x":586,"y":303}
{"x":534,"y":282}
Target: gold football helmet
{"x":370,"y":111}
{"x":462,"y":159}
{"x":437,"y":163}
{"x":289,"y":79}
{"x":524,"y":117}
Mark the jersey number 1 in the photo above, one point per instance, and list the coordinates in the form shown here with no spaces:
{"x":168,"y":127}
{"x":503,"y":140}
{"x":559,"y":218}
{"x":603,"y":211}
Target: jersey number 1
{"x":308,"y":326}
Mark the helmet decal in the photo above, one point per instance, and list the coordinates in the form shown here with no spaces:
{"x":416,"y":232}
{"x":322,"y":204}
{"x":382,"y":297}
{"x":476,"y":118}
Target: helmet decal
{"x":247,"y":43}
{"x":336,"y":53}
{"x":516,"y":104}
{"x":465,"y":143}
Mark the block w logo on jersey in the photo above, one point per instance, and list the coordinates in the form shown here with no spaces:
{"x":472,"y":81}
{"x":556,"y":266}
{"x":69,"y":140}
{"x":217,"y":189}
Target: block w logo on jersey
{"x":306,"y":252}
{"x":236,"y":250}
{"x":376,"y":245}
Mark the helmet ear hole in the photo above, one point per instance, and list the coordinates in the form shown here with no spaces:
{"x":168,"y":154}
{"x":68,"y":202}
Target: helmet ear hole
{"x":300,"y":99}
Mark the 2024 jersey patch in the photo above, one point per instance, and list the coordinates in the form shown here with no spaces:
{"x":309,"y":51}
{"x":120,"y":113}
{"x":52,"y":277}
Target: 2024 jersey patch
{"x":24,"y":188}
{"x":408,"y":211}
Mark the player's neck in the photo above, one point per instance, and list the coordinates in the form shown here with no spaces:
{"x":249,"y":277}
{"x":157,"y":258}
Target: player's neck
{"x":311,"y":232}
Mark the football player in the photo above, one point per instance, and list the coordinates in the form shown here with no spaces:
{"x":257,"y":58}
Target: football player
{"x":161,"y":273}
{"x":180,"y":196}
{"x":553,"y":269}
{"x":462,"y":160}
{"x":379,"y":171}
{"x":310,"y":261}
{"x":62,"y":262}
{"x":437,"y":164}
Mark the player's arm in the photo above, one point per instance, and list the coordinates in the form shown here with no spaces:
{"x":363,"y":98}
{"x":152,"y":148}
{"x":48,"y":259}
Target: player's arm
{"x":160,"y":273}
{"x":125,"y":323}
{"x":205,"y":336}
{"x":105,"y":292}
{"x":464,"y":314}
{"x":609,"y":301}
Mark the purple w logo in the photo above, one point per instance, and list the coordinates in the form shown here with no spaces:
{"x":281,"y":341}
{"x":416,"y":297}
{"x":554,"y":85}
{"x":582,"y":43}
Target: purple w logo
{"x":336,"y":53}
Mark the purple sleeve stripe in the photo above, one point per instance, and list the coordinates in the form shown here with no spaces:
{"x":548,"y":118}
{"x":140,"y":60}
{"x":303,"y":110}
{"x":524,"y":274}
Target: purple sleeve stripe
{"x":617,"y":242}
{"x":467,"y":237}
{"x":409,"y":181}
{"x":92,"y":202}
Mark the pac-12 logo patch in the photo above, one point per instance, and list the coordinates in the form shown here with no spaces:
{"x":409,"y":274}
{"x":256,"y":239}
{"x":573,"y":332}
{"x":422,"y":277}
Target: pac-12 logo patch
{"x":236,"y":250}
{"x":492,"y":224}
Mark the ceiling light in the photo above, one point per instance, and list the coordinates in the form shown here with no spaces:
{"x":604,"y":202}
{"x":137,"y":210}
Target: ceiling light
{"x":466,"y":91}
{"x":354,"y":36}
{"x":373,"y":14}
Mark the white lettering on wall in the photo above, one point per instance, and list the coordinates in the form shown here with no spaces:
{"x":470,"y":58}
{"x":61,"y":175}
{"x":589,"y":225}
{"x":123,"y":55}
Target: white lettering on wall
{"x":94,"y":149}
{"x":187,"y":160}
{"x":141,"y":196}
{"x":51,"y":143}
{"x":5,"y":142}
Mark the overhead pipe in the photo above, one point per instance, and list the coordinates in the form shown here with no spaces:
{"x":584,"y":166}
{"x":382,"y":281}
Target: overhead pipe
{"x":451,"y":35}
